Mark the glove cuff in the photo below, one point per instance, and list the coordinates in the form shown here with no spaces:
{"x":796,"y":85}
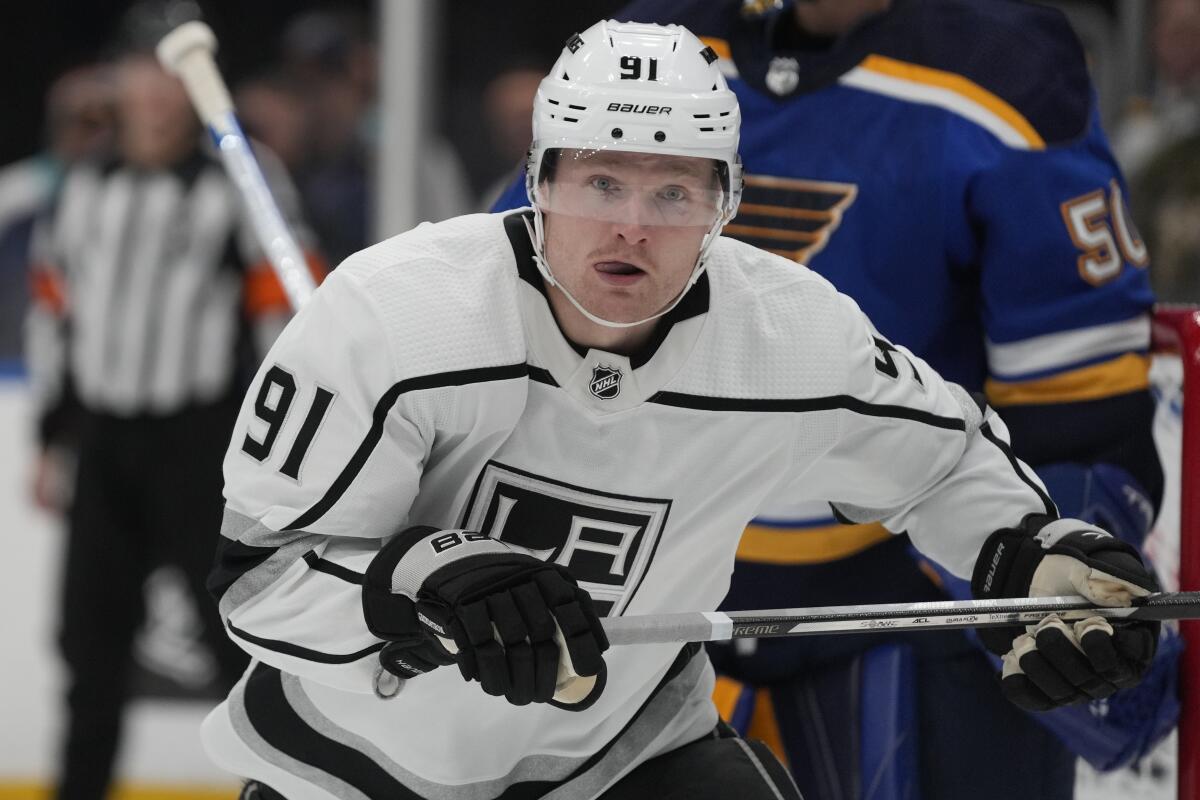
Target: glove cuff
{"x":391,"y":615}
{"x":1010,"y":556}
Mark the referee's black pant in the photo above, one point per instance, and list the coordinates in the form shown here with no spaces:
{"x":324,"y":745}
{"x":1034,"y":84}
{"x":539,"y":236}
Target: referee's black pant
{"x":148,"y":493}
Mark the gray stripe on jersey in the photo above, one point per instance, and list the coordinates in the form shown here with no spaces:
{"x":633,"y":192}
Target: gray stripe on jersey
{"x":638,"y":737}
{"x":972,"y":413}
{"x":761,"y":769}
{"x":663,"y":707}
{"x":253,"y":582}
{"x":245,"y":730}
{"x":530,"y":768}
{"x":862,"y":514}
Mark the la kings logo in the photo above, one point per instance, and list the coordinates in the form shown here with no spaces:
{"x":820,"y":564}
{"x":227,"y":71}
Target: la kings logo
{"x":606,"y":540}
{"x":606,"y":381}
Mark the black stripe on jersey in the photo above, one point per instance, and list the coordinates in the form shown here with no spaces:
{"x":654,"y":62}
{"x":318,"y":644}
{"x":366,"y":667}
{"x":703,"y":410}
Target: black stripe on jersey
{"x":295,"y":650}
{"x":319,"y":564}
{"x":233,"y":560}
{"x":382,"y":409}
{"x":281,"y":727}
{"x":274,"y":719}
{"x":682,"y":659}
{"x":542,"y":376}
{"x":990,"y":435}
{"x":702,"y":403}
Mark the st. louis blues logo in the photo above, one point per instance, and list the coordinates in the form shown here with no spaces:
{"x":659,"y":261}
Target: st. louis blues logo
{"x":783,"y":75}
{"x":606,"y":382}
{"x":791,"y":217}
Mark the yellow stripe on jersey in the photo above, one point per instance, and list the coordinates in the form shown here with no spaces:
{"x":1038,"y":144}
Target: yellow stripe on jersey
{"x":1127,"y":373}
{"x":767,"y":545}
{"x":959,"y":85}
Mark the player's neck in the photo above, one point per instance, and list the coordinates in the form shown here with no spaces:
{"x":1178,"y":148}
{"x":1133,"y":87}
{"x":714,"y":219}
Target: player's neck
{"x":583,"y":333}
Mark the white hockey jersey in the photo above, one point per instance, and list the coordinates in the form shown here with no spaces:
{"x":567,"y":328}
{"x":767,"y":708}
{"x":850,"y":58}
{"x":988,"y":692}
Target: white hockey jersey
{"x":428,"y":383}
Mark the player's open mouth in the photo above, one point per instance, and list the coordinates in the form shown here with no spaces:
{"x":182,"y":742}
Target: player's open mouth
{"x":618,"y":273}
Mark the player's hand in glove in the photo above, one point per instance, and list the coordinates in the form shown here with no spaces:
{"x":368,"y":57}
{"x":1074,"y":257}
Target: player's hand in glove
{"x":411,"y":649}
{"x":518,"y":625}
{"x":1057,"y":663}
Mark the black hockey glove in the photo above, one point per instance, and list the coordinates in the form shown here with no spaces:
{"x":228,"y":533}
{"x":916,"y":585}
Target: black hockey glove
{"x":411,"y":650}
{"x":1056,"y":663}
{"x":518,"y":625}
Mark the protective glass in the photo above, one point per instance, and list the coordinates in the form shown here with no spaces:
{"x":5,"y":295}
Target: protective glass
{"x":631,"y":188}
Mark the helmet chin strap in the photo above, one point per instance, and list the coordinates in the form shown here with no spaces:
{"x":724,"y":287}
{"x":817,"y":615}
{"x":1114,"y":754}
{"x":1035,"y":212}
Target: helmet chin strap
{"x":537,"y":235}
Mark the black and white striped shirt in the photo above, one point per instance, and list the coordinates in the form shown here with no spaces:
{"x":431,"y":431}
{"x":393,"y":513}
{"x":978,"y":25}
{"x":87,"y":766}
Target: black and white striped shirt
{"x":150,"y":290}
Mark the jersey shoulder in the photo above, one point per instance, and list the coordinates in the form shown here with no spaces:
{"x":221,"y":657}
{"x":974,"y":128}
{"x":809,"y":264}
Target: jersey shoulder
{"x":1013,"y":58}
{"x":776,"y":330}
{"x":445,"y":294}
{"x":705,"y":18}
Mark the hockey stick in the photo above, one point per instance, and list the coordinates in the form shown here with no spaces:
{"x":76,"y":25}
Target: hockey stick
{"x":187,"y":52}
{"x":716,"y":626}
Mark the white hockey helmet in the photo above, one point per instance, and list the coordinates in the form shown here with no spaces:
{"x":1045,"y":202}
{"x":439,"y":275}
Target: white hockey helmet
{"x":639,"y":88}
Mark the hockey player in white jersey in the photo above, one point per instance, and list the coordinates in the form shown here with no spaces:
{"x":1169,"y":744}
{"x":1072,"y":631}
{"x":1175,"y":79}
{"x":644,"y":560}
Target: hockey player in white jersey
{"x":483,"y":435}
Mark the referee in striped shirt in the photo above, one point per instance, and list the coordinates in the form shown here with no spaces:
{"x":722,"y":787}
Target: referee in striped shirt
{"x":152,"y":307}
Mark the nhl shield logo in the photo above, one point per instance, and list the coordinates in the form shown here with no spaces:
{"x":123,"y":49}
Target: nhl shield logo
{"x":606,"y":382}
{"x":783,"y":75}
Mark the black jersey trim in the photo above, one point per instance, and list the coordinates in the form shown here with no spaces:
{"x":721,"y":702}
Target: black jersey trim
{"x":319,"y":564}
{"x":382,"y":409}
{"x":273,"y":717}
{"x":833,"y":402}
{"x":233,"y":560}
{"x":1083,"y":432}
{"x":542,"y":376}
{"x":296,"y":651}
{"x":694,"y":304}
{"x":491,"y":462}
{"x":990,"y":435}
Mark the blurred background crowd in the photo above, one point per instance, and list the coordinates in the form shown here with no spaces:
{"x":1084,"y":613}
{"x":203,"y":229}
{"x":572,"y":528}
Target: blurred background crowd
{"x":305,"y":75}
{"x":305,"y":79}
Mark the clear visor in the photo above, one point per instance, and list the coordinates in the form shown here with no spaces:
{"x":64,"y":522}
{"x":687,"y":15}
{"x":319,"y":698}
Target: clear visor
{"x":631,"y":188}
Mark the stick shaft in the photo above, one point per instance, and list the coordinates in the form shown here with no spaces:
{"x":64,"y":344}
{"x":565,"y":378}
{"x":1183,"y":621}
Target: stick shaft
{"x":274,"y":236}
{"x":188,"y":52}
{"x":717,"y":626}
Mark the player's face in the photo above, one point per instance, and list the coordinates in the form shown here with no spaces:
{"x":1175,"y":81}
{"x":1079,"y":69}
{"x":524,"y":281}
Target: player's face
{"x":624,"y":230}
